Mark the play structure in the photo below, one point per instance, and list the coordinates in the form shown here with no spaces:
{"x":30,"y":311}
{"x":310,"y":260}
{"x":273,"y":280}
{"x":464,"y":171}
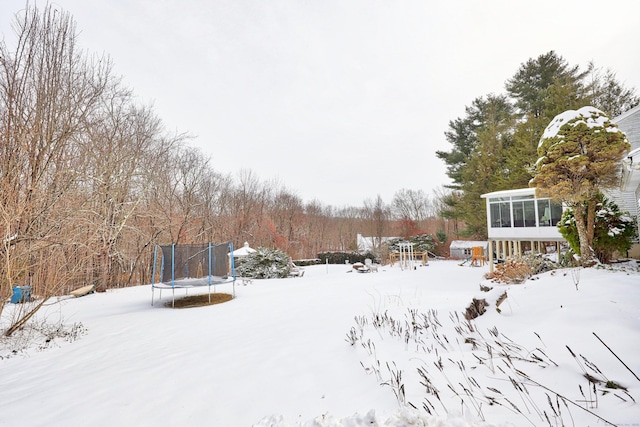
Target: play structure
{"x":477,"y":256}
{"x":407,"y":257}
{"x":193,"y":265}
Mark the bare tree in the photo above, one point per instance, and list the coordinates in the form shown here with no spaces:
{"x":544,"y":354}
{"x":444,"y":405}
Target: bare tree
{"x":247,"y":206}
{"x":286,"y":215}
{"x":316,"y":232}
{"x":212,"y":189}
{"x":377,"y":215}
{"x":122,"y":145}
{"x":414,"y":205}
{"x":47,"y":90}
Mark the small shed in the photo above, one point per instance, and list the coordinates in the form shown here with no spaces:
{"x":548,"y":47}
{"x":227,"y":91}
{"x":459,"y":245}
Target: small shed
{"x":461,"y":249}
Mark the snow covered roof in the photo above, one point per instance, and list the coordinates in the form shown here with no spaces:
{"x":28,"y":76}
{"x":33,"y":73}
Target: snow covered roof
{"x":590,"y":116}
{"x":365,"y":243}
{"x":461,"y":244}
{"x":508,"y":193}
{"x":243,"y":251}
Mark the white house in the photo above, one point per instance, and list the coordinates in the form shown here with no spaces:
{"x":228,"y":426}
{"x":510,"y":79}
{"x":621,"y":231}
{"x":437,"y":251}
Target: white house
{"x":517,"y":218}
{"x":628,"y":197}
{"x":370,"y":244}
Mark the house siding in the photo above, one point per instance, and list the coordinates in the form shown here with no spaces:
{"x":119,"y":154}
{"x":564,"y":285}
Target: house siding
{"x":629,"y":123}
{"x":628,"y":199}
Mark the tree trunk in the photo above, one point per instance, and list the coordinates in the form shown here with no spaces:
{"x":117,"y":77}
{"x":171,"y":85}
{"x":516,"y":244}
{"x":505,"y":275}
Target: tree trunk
{"x":585,"y":249}
{"x":591,"y":221}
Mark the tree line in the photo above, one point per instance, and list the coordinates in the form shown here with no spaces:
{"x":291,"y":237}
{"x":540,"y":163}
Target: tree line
{"x":495,"y":144}
{"x":91,"y":181}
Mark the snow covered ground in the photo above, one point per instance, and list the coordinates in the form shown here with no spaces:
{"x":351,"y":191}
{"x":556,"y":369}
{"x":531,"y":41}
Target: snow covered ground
{"x":340,"y":349}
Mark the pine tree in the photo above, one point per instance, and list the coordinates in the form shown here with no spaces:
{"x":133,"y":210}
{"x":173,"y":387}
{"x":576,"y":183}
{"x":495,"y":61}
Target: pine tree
{"x":477,"y":162}
{"x":580,"y":155}
{"x":462,"y":136}
{"x":541,"y":89}
{"x":529,"y":87}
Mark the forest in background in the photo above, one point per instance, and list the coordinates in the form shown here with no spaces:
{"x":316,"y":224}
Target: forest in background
{"x":91,"y":181}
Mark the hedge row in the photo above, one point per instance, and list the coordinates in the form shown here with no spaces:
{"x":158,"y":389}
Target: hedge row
{"x":344,"y":257}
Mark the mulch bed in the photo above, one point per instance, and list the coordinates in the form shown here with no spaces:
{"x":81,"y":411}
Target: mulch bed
{"x":199,"y":300}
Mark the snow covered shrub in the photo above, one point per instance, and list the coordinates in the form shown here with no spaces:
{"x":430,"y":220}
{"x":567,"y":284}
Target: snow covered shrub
{"x":540,"y":263}
{"x":614,"y":230}
{"x":421,"y":243}
{"x":39,"y":335}
{"x":306,"y":262}
{"x":342,"y":257}
{"x":264,"y":263}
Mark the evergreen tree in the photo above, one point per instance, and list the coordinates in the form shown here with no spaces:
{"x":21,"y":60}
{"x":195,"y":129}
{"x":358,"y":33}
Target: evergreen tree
{"x":529,"y":87}
{"x":477,"y":161}
{"x":541,"y":89}
{"x":580,"y":153}
{"x":614,"y":231}
{"x":264,"y":263}
{"x":462,"y":136}
{"x":421,"y":243}
{"x":521,"y":155}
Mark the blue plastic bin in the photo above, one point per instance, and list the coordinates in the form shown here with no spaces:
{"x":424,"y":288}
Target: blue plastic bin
{"x":21,"y":294}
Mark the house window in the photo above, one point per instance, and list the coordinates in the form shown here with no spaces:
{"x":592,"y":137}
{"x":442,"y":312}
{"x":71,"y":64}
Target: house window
{"x":500,"y":212}
{"x":524,"y":212}
{"x":549,"y":213}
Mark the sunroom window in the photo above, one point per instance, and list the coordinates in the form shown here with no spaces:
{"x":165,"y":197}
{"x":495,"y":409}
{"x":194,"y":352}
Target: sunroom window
{"x":549,"y":213}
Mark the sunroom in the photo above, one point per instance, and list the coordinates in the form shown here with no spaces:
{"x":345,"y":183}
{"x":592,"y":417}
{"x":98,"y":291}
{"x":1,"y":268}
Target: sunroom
{"x":519,"y":222}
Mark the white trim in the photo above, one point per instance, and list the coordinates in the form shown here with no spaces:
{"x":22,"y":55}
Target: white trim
{"x":516,"y":192}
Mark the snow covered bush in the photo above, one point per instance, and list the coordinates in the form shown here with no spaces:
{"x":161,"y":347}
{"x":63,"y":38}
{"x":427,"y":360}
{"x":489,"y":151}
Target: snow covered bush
{"x":39,"y":334}
{"x":614,"y":230}
{"x":336,"y":257}
{"x":540,"y":263}
{"x":264,"y":263}
{"x":421,"y":243}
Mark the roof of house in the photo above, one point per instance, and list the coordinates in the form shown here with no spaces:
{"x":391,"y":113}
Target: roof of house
{"x":507,"y":193}
{"x":463,"y":244}
{"x":243,"y":251}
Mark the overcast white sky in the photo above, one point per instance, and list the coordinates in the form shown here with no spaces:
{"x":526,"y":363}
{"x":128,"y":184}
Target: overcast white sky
{"x":340,"y":100}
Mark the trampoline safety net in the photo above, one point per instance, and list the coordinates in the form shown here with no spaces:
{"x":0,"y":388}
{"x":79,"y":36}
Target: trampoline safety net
{"x":193,"y":261}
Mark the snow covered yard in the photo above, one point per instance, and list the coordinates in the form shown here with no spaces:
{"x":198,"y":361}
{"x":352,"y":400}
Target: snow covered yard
{"x":314,"y":351}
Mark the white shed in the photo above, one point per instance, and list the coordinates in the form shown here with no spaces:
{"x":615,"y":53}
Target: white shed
{"x":243,"y":251}
{"x":461,"y":249}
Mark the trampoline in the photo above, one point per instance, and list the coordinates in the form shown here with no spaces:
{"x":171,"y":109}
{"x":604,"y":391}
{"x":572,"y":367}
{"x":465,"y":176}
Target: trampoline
{"x":192,"y":265}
